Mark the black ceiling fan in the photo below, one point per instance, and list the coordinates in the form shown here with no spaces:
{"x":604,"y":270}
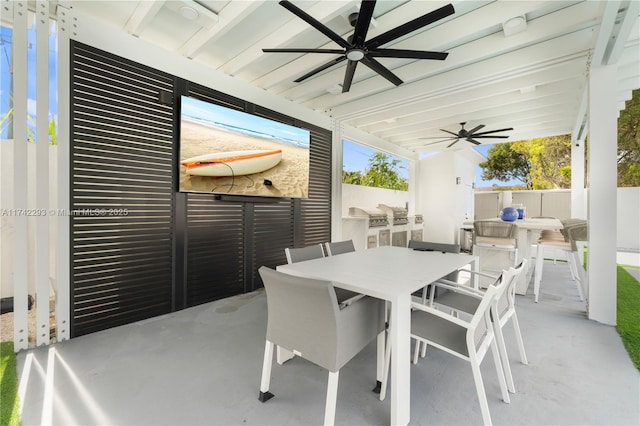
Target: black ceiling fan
{"x":469,"y":135}
{"x":357,"y":49}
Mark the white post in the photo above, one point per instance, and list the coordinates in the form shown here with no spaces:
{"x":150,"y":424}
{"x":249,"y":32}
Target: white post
{"x":20,"y":174}
{"x":577,"y":180}
{"x":63,"y":276}
{"x":602,"y":210}
{"x":42,"y":173}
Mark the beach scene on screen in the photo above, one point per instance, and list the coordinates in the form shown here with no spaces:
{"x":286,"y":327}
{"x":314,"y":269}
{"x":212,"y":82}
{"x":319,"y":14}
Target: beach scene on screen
{"x":225,"y":151}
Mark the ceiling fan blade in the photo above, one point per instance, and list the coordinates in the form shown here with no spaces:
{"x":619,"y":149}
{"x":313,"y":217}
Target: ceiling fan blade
{"x":348,"y":76}
{"x":362,"y":25}
{"x":410,"y":26}
{"x":493,"y":131}
{"x":295,"y":50}
{"x":381,"y":69}
{"x":489,"y":136}
{"x":444,"y":138}
{"x":451,"y":133}
{"x":321,"y":68}
{"x":475,"y":129}
{"x":473,"y":141}
{"x":314,"y":23}
{"x":453,"y":143}
{"x":410,"y":54}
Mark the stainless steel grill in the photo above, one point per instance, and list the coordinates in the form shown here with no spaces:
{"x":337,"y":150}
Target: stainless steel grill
{"x":376,"y":218}
{"x":399,"y":215}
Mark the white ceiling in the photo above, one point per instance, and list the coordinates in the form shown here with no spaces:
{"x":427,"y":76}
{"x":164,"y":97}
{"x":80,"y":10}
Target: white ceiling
{"x":533,"y":81}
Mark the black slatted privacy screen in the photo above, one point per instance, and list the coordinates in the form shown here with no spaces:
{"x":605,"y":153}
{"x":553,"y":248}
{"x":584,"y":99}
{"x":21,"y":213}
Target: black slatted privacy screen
{"x":139,"y":249}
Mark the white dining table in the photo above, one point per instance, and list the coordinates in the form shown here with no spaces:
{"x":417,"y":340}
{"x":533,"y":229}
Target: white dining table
{"x":392,"y":274}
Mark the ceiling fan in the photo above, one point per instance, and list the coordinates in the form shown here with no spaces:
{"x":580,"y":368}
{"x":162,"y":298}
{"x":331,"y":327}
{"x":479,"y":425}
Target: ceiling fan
{"x":469,"y":135}
{"x":357,"y":49}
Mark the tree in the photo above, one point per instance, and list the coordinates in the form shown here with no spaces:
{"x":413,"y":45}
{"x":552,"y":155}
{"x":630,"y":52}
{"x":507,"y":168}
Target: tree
{"x":541,"y":163}
{"x":382,"y":172}
{"x":629,"y":143}
{"x":550,"y":160}
{"x":505,"y":164}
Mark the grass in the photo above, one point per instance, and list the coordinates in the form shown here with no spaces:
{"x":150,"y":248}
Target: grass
{"x":8,"y":386}
{"x":628,"y":314}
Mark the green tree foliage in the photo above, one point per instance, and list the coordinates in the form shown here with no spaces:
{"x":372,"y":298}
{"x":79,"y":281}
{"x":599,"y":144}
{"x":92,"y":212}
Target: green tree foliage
{"x":382,"y":172}
{"x":629,"y":143}
{"x":542,"y":163}
{"x":551,"y":161}
{"x":505,"y":163}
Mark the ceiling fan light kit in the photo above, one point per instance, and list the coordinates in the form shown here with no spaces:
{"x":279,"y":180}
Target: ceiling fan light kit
{"x":357,"y":49}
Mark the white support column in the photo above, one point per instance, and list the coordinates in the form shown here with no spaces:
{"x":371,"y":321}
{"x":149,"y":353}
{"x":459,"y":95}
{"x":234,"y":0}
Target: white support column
{"x":20,"y":174}
{"x":42,"y":173}
{"x":602,"y":210}
{"x":578,"y":204}
{"x":63,"y":267}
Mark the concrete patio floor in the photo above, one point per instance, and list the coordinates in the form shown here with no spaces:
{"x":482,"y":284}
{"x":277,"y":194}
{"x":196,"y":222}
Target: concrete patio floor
{"x":201,"y":366}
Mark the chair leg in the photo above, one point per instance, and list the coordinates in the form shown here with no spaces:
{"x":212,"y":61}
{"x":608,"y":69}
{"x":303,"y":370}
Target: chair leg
{"x":332,"y":395}
{"x":538,"y":272}
{"x":264,"y":394}
{"x":516,"y":327}
{"x":500,"y":370}
{"x":416,"y":351}
{"x":504,"y":358}
{"x":482,"y":397}
{"x":579,"y":273}
{"x":423,"y":352}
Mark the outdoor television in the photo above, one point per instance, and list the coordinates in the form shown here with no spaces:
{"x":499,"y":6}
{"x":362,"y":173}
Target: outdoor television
{"x":224,"y":151}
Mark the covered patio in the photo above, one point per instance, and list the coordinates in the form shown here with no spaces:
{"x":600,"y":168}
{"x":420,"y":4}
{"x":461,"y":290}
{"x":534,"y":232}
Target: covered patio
{"x":202,"y":366}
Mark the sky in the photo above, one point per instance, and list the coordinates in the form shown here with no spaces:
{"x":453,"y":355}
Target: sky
{"x":6,"y":46}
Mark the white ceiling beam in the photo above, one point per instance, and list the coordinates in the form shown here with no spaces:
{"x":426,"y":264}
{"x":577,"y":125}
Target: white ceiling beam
{"x":549,"y":80}
{"x":629,"y":20}
{"x":230,"y":16}
{"x":143,"y":15}
{"x":322,"y":11}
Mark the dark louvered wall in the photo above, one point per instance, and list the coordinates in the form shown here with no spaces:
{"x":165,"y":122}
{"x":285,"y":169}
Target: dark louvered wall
{"x":171,"y":250}
{"x":122,"y":165}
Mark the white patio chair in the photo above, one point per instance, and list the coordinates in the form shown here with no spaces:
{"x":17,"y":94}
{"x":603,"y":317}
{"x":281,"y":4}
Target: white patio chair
{"x":503,"y":308}
{"x":304,"y":317}
{"x":468,"y":339}
{"x":442,"y":247}
{"x":499,"y":236}
{"x":562,"y":240}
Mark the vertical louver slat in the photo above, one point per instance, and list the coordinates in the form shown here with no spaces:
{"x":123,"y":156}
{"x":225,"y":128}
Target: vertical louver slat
{"x":121,"y":174}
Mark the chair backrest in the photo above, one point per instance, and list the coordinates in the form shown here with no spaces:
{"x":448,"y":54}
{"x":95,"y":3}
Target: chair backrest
{"x":303,"y":253}
{"x":339,"y":247}
{"x":493,"y":229}
{"x":506,"y":302}
{"x":303,"y":316}
{"x":480,"y":324}
{"x":449,"y":248}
